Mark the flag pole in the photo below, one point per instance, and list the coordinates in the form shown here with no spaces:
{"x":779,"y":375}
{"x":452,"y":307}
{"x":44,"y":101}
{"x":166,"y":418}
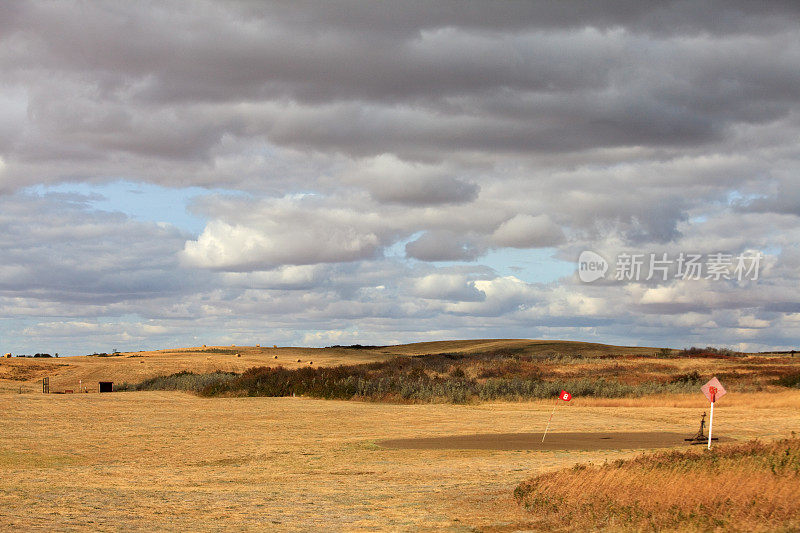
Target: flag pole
{"x":712,"y":389}
{"x":551,"y":418}
{"x":711,"y":422}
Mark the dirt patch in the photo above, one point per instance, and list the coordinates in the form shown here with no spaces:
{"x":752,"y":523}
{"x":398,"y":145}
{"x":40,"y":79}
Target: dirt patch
{"x":553,"y":441}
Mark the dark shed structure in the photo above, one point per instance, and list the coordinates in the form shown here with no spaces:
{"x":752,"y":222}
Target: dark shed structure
{"x":106,"y":386}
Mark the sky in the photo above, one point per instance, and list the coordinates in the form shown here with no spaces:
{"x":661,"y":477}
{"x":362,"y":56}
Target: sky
{"x":309,"y":174}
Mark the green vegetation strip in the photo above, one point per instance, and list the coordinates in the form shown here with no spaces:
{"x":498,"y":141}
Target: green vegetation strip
{"x":439,"y":378}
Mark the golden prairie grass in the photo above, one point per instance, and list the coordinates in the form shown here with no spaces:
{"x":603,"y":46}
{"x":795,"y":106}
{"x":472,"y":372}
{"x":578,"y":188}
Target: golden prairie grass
{"x":133,"y":367}
{"x":750,"y":486}
{"x":174,"y":461}
{"x":529,"y":359}
{"x":772,"y":398}
{"x":25,"y":369}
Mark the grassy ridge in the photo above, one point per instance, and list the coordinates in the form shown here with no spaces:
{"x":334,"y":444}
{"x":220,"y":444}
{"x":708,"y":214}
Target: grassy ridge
{"x":452,"y":378}
{"x":510,"y":373}
{"x":751,"y":486}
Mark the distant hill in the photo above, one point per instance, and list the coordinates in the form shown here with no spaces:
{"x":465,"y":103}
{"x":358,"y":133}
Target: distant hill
{"x":133,"y":367}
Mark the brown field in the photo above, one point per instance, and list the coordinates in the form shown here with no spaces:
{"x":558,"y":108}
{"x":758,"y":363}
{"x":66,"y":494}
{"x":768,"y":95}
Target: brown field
{"x":565,"y":359}
{"x":171,"y":460}
{"x":133,"y":367}
{"x":165,"y":460}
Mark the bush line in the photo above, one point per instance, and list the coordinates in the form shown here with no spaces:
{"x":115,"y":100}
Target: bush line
{"x":439,"y":378}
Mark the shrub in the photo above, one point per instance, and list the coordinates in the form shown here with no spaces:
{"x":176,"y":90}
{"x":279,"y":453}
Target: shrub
{"x":710,"y":352}
{"x":790,"y":380}
{"x":692,"y":378}
{"x":433,"y":379}
{"x":185,"y":381}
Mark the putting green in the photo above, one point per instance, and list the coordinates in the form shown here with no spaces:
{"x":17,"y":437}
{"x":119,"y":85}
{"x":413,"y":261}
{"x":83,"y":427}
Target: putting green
{"x":553,"y":441}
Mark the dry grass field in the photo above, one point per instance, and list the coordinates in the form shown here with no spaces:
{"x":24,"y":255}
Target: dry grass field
{"x":556,"y":359}
{"x":143,"y":460}
{"x":751,"y":486}
{"x":173,"y":460}
{"x":133,"y":367}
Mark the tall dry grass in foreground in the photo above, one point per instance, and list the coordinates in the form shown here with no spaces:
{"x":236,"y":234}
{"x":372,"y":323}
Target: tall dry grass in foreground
{"x":751,"y":487}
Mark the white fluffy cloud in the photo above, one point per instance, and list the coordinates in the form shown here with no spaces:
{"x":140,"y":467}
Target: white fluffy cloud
{"x":223,"y":246}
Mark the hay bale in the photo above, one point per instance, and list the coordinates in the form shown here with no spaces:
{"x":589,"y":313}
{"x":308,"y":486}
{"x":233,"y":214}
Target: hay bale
{"x":311,"y":362}
{"x":275,"y":357}
{"x":298,"y":360}
{"x":238,"y":355}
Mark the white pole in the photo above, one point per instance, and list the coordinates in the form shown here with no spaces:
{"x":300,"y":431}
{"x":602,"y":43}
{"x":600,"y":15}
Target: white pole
{"x":548,"y":421}
{"x":710,"y":425}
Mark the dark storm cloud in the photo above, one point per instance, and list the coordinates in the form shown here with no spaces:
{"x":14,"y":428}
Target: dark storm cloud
{"x":673,"y":17}
{"x":164,"y":81}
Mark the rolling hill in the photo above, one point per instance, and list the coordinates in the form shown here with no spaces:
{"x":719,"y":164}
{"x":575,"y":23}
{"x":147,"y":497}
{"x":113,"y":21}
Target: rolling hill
{"x":133,"y":367}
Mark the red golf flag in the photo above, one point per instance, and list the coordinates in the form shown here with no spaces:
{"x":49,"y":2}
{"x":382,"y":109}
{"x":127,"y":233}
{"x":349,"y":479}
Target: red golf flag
{"x":565,"y":395}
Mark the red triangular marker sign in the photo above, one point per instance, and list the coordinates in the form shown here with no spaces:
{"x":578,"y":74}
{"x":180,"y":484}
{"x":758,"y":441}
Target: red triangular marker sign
{"x":713,"y":390}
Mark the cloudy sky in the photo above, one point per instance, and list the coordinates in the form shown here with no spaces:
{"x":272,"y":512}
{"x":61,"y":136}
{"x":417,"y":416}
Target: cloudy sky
{"x":305,"y":173}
